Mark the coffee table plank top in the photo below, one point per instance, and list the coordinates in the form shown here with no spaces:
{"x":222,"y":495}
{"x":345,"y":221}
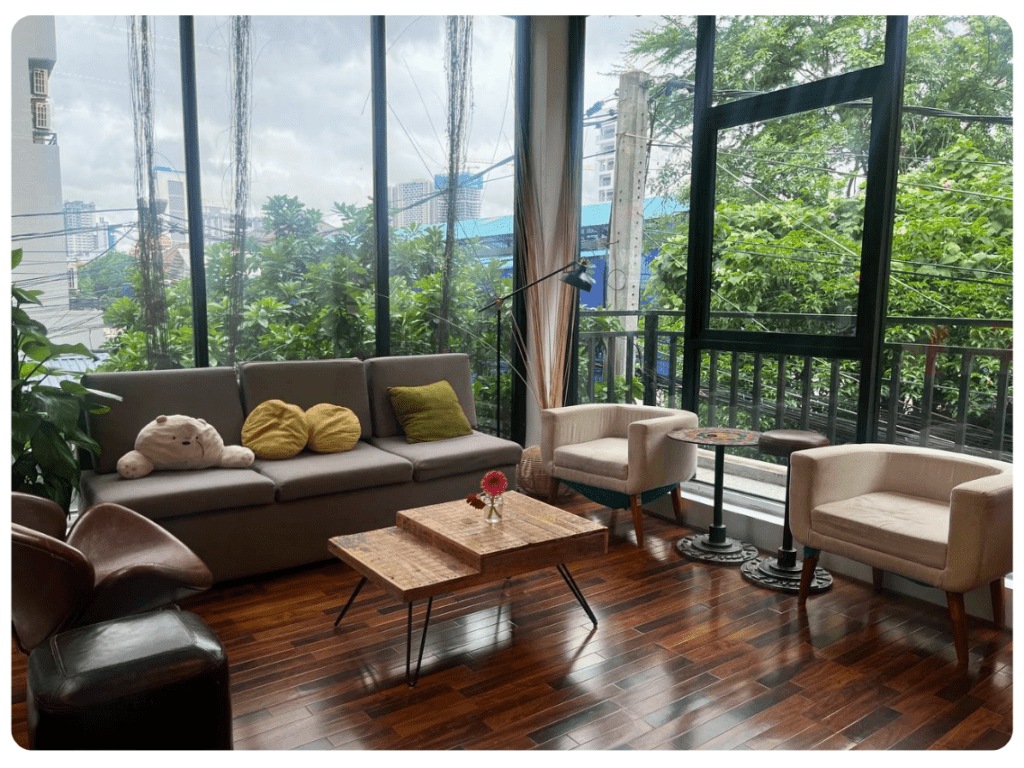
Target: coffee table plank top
{"x":402,"y":564}
{"x":450,"y":546}
{"x":530,"y":530}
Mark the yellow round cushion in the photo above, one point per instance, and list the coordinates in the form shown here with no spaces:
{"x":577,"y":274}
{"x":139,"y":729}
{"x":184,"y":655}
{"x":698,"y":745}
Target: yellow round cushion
{"x":332,"y":428}
{"x":275,"y":430}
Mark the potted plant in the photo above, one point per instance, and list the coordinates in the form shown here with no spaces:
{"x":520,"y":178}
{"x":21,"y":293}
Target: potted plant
{"x":46,"y":416}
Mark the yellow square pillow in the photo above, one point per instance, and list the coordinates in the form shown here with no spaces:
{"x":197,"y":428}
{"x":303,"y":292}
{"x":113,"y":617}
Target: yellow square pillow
{"x":428,"y":413}
{"x":275,"y":430}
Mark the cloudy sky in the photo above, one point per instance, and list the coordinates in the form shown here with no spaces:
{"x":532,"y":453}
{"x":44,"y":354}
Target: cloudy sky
{"x":311,"y":134}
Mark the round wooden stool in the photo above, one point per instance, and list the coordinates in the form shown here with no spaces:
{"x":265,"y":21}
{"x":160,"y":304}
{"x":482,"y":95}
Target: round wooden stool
{"x":782,"y":572}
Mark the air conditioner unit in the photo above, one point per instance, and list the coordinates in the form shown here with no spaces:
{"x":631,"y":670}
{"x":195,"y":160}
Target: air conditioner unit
{"x":41,"y":115}
{"x":40,"y":82}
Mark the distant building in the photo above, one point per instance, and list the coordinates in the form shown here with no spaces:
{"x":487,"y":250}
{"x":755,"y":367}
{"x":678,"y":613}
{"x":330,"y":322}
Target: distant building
{"x":424,"y":201}
{"x":599,"y":165}
{"x":404,"y":200}
{"x":170,"y":187}
{"x":468,"y":197}
{"x":80,"y":229}
{"x":219,"y":224}
{"x":37,"y":205}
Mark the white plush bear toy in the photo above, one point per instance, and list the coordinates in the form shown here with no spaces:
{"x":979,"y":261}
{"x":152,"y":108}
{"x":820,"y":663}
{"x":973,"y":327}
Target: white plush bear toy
{"x":180,"y":442}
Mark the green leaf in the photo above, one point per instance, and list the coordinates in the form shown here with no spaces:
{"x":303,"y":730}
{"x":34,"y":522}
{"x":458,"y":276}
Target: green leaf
{"x":16,"y":255}
{"x":23,"y":296}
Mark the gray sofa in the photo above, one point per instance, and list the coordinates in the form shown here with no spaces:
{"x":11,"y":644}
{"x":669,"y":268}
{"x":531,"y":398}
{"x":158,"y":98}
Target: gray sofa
{"x":279,"y":514}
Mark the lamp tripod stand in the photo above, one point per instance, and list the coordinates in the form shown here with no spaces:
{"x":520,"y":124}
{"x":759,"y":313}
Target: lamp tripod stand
{"x":577,"y":278}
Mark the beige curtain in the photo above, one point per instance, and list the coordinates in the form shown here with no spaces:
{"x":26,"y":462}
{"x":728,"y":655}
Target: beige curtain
{"x":548,"y":219}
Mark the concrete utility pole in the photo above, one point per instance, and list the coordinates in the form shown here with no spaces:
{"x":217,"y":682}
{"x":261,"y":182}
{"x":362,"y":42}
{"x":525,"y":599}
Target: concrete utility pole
{"x":626,"y":230}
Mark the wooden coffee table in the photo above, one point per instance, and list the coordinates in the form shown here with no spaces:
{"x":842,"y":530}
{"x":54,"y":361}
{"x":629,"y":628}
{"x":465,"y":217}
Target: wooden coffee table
{"x":445,"y":547}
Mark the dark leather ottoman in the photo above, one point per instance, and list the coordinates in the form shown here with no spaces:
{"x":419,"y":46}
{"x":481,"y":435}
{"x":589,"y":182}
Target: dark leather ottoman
{"x":156,"y":680}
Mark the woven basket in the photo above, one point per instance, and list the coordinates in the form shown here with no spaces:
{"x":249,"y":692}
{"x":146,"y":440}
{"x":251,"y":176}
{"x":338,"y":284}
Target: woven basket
{"x":532,"y":478}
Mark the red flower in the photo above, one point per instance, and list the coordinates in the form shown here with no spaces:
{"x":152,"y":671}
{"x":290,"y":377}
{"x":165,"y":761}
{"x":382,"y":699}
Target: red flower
{"x":494,"y":483}
{"x":474,"y":501}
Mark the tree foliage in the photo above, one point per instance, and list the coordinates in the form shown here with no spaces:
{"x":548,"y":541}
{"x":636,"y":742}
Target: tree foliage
{"x":790,"y":192}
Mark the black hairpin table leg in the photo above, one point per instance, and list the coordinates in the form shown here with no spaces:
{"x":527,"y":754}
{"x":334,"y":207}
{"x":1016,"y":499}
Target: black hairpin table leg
{"x":410,"y":678}
{"x":575,"y":589}
{"x":348,"y":605}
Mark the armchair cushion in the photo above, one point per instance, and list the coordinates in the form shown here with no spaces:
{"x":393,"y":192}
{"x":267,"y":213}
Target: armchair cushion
{"x":607,"y":456}
{"x":894,"y":523}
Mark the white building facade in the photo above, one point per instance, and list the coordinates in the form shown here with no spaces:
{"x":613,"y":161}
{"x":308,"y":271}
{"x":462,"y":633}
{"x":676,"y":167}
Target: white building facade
{"x":37,"y":208}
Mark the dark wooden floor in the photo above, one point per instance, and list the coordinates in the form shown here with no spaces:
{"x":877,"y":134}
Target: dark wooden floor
{"x":686,"y":656}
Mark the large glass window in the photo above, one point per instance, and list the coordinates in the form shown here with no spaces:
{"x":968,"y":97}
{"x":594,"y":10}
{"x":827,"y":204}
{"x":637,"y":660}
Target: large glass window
{"x":789,"y":214}
{"x":451,"y":138}
{"x":146,"y":310}
{"x":286,"y":150}
{"x":948,"y":376}
{"x":636,"y":129}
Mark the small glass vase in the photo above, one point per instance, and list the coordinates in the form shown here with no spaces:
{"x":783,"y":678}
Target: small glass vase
{"x":493,"y":505}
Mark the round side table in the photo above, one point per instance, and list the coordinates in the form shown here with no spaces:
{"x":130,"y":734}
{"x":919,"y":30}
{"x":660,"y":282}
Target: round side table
{"x":715,"y":546}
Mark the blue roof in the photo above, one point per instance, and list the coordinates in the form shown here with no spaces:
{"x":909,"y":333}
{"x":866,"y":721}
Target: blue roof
{"x":597,"y":214}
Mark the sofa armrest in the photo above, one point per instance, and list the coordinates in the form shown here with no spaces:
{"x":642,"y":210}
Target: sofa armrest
{"x":655,"y":459}
{"x":980,"y":532}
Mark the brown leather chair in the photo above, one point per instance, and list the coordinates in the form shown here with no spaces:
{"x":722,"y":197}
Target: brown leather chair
{"x":112,"y":563}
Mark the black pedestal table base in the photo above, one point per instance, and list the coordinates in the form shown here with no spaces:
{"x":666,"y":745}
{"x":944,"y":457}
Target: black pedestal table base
{"x":767,"y":572}
{"x":698,"y":546}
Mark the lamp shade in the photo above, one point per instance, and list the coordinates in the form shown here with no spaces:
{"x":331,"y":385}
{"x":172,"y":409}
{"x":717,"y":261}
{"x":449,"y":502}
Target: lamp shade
{"x":577,"y":277}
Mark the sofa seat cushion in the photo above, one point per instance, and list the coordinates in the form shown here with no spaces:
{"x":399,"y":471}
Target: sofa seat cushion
{"x":171,"y":494}
{"x":606,"y":457}
{"x":907,"y":527}
{"x":455,"y":456}
{"x":318,"y":474}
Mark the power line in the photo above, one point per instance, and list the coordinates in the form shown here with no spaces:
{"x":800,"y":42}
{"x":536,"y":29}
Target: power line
{"x":63,"y":213}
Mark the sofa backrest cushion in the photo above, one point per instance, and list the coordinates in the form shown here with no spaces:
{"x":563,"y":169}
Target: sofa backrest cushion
{"x":203,"y":393}
{"x":415,"y":371}
{"x":307,"y":383}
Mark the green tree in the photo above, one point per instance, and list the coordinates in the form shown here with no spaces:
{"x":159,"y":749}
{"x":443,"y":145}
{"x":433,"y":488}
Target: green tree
{"x":108,"y":277}
{"x":755,"y":54}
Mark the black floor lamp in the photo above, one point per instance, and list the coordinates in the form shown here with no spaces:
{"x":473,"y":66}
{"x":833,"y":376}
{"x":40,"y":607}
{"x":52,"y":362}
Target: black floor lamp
{"x":577,"y":277}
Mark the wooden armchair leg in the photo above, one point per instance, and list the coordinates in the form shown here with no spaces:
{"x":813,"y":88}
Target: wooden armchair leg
{"x":638,"y":519}
{"x":806,"y":577}
{"x":677,"y":505}
{"x":998,"y":602}
{"x":958,"y":618}
{"x":553,"y":491}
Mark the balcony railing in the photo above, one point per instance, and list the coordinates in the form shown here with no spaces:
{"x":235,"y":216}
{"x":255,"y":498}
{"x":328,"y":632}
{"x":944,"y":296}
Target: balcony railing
{"x":954,"y":398}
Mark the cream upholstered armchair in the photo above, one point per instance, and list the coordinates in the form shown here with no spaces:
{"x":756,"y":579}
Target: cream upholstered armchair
{"x":618,"y":455}
{"x":938,"y":518}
